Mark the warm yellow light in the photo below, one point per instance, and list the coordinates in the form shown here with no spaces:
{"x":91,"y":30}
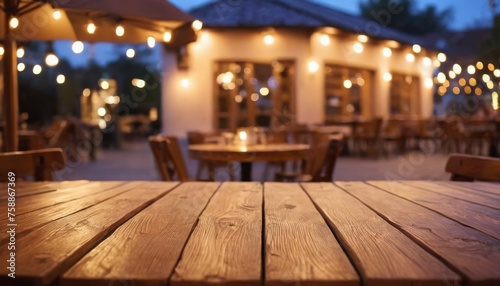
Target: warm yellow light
{"x":410,"y":57}
{"x":264,"y":91}
{"x":471,"y":69}
{"x":167,"y":37}
{"x":491,"y":67}
{"x":472,"y":81}
{"x":151,"y":42}
{"x":446,"y":84}
{"x":442,"y":90}
{"x":77,"y":47}
{"x":387,"y":76}
{"x":104,"y":84}
{"x":479,"y":65}
{"x":441,"y":57}
{"x":437,"y":63}
{"x":101,"y":111}
{"x":456,"y":90}
{"x":238,"y":98}
{"x":51,"y":60}
{"x":496,"y":72}
{"x":37,"y":69}
{"x":325,"y":40}
{"x":21,"y":67}
{"x":14,"y":22}
{"x":428,"y":83}
{"x":56,"y":14}
{"x":130,"y":53}
{"x":2,"y":51}
{"x":20,"y":52}
{"x":494,"y":100}
{"x":86,"y":92}
{"x":387,"y":52}
{"x":91,"y":28}
{"x":478,"y":91}
{"x":268,"y":40}
{"x":363,"y":38}
{"x":441,"y":77}
{"x":427,"y":61}
{"x":417,"y":49}
{"x":120,"y":31}
{"x":313,"y":66}
{"x":254,"y":97}
{"x":452,"y":75}
{"x":358,"y":48}
{"x":486,"y":77}
{"x":185,"y":82}
{"x":468,"y":90}
{"x":462,"y":82}
{"x":347,"y":83}
{"x":457,"y":69}
{"x":197,"y":25}
{"x":490,"y":85}
{"x":60,"y":79}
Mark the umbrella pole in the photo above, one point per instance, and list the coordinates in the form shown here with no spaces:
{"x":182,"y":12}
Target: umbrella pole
{"x":10,"y":98}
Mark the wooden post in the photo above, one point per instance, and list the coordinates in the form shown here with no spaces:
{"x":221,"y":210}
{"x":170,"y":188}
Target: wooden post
{"x":10,"y":101}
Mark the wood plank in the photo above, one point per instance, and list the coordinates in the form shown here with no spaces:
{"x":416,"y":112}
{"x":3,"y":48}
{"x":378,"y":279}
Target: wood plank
{"x":33,"y":188}
{"x":47,"y":252}
{"x":225,"y":247}
{"x":479,"y":217}
{"x":32,"y":203}
{"x":39,"y":217}
{"x":152,"y":242}
{"x":459,"y":192}
{"x":376,"y":247}
{"x":473,"y":254}
{"x":488,"y":188}
{"x":300,"y":248}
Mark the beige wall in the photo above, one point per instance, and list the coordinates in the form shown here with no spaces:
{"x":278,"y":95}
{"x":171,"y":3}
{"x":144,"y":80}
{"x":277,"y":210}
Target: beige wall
{"x":191,"y":108}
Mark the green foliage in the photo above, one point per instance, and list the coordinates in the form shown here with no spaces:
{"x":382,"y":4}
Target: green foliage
{"x":404,"y":16}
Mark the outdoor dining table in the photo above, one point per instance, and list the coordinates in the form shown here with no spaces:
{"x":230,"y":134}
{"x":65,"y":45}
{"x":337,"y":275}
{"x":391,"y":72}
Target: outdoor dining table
{"x":247,"y":154}
{"x":248,"y":233}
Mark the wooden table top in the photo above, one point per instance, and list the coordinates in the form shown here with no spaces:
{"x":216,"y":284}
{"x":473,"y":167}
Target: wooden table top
{"x":261,"y":152}
{"x":206,"y":233}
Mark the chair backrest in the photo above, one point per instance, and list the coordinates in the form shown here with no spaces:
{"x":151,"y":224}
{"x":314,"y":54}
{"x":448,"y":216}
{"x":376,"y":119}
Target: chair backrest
{"x":29,"y":140}
{"x":469,"y":168}
{"x":168,"y":157}
{"x":37,"y":163}
{"x":323,"y":156}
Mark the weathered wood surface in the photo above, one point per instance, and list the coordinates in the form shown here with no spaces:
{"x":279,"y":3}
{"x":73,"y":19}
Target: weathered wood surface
{"x":459,"y":192}
{"x":373,"y":245}
{"x":225,"y":246}
{"x":23,"y":189}
{"x":45,"y":253}
{"x":470,"y":252}
{"x":151,"y":241}
{"x":485,"y":219}
{"x":488,"y":188}
{"x":300,"y":249}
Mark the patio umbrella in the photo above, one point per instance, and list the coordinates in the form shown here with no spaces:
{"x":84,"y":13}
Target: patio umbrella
{"x":83,"y":20}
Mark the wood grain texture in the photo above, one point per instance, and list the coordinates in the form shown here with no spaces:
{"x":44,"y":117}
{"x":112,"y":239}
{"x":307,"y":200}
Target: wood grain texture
{"x":464,"y":167}
{"x":300,"y":248}
{"x":145,"y":250}
{"x":468,"y":251}
{"x":31,"y":203}
{"x":459,"y":192}
{"x":487,"y":188}
{"x":24,"y":189}
{"x":50,"y":250}
{"x":225,"y":247}
{"x":37,"y":218}
{"x":382,"y":254}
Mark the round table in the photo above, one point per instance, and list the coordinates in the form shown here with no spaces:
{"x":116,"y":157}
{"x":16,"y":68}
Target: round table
{"x":248,"y":154}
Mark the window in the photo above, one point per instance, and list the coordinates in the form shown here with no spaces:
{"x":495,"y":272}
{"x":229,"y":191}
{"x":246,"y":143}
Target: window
{"x":253,"y":94}
{"x":347,"y":91}
{"x":404,"y":95}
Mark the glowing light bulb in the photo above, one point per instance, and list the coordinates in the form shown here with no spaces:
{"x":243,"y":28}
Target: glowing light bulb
{"x":197,"y":25}
{"x":21,"y":67}
{"x":457,"y":68}
{"x":77,"y":47}
{"x":313,"y":66}
{"x":2,"y":51}
{"x":37,"y":69}
{"x":60,"y":79}
{"x":51,"y":60}
{"x":151,"y":42}
{"x":410,"y":57}
{"x":387,"y":52}
{"x":268,"y":40}
{"x":347,"y":84}
{"x":358,"y":48}
{"x":363,"y":38}
{"x":167,"y":37}
{"x":427,"y":61}
{"x":325,"y":40}
{"x":387,"y":76}
{"x":56,"y":14}
{"x":185,"y":82}
{"x":120,"y":31}
{"x":441,"y":57}
{"x":14,"y":22}
{"x":417,"y":49}
{"x":20,"y":52}
{"x":91,"y":28}
{"x":471,"y":69}
{"x":428,"y":83}
{"x":130,"y":53}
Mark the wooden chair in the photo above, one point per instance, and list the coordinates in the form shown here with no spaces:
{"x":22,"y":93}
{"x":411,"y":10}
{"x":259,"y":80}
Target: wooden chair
{"x":366,"y":136}
{"x":168,"y":157}
{"x":320,"y":164}
{"x":36,"y":163}
{"x":469,"y":168}
{"x":29,"y":140}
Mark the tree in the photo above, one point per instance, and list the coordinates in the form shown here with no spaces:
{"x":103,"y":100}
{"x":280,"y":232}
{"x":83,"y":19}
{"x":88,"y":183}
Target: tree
{"x":406,"y":17}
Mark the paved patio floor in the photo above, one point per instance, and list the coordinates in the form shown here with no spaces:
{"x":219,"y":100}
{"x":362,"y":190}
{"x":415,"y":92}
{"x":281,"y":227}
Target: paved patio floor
{"x":134,"y":161}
